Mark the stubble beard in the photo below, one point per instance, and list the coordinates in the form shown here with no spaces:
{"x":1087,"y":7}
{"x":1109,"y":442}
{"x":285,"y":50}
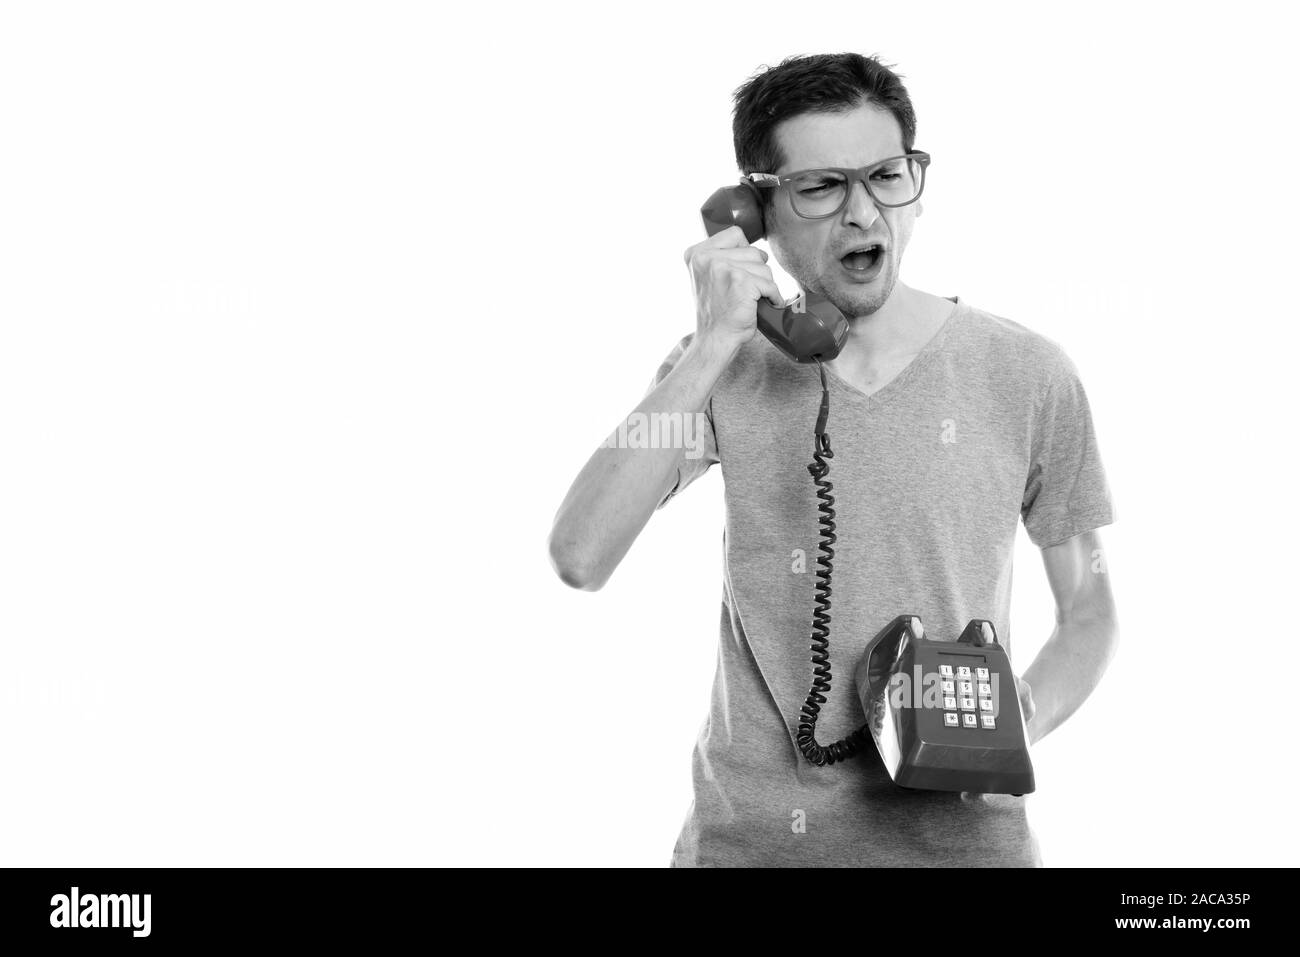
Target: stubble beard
{"x":868,"y":300}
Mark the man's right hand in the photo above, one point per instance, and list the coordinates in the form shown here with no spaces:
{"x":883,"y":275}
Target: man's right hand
{"x":729,"y":276}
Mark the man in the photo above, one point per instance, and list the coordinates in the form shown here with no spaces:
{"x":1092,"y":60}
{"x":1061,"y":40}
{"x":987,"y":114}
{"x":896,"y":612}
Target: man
{"x":949,"y":424}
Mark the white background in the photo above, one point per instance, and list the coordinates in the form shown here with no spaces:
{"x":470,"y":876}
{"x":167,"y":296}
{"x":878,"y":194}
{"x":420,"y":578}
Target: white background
{"x":311,"y":312}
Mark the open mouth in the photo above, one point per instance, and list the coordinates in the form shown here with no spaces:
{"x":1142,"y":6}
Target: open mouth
{"x":865,"y":260}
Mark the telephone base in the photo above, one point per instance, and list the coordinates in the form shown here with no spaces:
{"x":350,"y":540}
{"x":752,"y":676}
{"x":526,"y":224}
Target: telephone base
{"x":980,"y":771}
{"x":945,"y":715}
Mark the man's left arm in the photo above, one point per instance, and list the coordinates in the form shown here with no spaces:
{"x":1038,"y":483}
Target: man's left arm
{"x":1085,"y":638}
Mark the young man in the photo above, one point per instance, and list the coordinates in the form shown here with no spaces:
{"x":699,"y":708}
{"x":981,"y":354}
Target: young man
{"x":949,"y":425}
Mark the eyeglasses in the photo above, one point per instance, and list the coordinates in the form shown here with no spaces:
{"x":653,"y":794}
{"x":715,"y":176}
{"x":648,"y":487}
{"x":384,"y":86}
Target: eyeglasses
{"x":821,"y":193}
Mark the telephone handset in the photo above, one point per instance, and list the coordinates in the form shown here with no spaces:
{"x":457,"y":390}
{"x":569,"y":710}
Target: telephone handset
{"x":807,"y":330}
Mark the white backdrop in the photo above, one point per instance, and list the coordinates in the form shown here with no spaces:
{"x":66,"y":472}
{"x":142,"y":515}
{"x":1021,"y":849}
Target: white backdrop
{"x":311,"y":312}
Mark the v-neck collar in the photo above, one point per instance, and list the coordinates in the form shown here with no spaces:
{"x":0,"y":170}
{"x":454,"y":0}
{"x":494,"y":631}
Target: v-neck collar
{"x":919,"y":361}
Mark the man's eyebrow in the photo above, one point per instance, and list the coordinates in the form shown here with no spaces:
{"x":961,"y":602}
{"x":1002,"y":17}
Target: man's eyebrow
{"x":894,"y":157}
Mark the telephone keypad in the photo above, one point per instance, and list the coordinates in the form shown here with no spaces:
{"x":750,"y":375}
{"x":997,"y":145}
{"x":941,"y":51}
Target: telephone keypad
{"x":967,"y":700}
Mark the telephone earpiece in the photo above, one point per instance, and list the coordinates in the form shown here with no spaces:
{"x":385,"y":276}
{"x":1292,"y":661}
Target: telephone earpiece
{"x":811,"y":327}
{"x":735,"y":206}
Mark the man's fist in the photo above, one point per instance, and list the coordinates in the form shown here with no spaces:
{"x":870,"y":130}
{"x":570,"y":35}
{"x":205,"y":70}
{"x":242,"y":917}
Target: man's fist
{"x":729,"y":276}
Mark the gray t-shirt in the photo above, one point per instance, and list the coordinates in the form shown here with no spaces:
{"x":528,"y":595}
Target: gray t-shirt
{"x":988,"y":424}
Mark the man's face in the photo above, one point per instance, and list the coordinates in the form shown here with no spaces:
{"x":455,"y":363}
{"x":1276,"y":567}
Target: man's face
{"x":811,"y":250}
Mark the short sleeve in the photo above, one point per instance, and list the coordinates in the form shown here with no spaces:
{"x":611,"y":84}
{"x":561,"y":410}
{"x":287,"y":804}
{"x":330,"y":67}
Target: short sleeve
{"x":1066,"y":492}
{"x":699,"y":445}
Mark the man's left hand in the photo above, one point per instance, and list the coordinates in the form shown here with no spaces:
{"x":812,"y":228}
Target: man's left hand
{"x":1026,"y":698}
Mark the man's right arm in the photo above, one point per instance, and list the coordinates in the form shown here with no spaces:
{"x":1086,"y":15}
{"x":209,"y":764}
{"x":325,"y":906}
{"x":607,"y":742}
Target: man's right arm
{"x":619,"y":488}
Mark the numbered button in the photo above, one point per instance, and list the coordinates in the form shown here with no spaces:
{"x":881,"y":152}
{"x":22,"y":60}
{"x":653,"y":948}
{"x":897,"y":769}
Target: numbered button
{"x":945,"y":670}
{"x":963,"y":673}
{"x":986,"y":704}
{"x":966,"y":687}
{"x":950,"y":719}
{"x":968,"y":704}
{"x":968,"y":720}
{"x":985,"y":690}
{"x":950,"y":702}
{"x":982,"y":674}
{"x":949,"y":687}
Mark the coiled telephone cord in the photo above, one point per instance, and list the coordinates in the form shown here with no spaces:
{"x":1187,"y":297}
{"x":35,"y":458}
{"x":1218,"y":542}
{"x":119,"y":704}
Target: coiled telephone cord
{"x":821,"y":755}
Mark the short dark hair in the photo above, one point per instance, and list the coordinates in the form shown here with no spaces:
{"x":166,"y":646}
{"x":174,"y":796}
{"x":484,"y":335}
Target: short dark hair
{"x":815,"y":83}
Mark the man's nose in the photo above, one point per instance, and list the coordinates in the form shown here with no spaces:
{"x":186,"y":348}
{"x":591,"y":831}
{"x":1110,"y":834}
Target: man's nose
{"x":861,"y":209}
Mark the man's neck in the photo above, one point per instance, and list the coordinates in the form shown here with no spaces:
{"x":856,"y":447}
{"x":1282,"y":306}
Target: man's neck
{"x":882,"y":344}
{"x":901,"y":327}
